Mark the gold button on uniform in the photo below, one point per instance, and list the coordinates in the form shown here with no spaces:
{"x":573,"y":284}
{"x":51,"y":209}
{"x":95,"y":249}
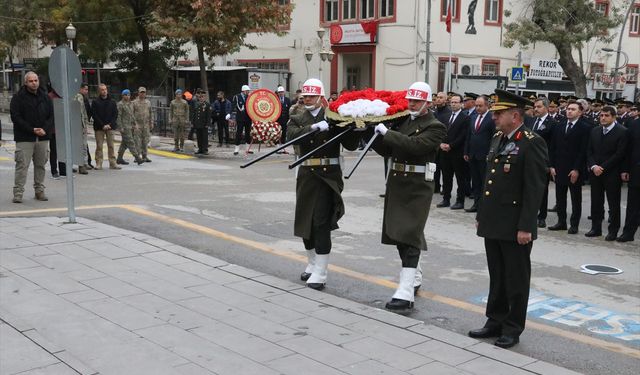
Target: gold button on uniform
{"x":487,"y":193}
{"x":493,"y":171}
{"x":394,"y":174}
{"x":490,"y":182}
{"x":405,"y":175}
{"x":514,"y":202}
{"x":324,"y":169}
{"x":496,"y":160}
{"x":311,"y":141}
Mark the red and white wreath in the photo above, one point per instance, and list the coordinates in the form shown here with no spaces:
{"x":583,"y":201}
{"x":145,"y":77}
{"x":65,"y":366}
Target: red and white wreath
{"x":268,"y":133}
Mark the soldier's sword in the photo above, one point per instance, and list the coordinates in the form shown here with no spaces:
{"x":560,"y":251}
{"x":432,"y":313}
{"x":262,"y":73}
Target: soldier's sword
{"x":305,"y":135}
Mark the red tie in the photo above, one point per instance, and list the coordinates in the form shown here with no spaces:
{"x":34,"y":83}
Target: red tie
{"x":478,"y":122}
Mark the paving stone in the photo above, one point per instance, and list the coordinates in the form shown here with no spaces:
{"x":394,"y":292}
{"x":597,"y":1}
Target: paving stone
{"x":76,"y":364}
{"x":55,"y":369}
{"x":439,"y":369}
{"x":107,"y":249}
{"x":15,"y":321}
{"x":225,"y":295}
{"x":255,"y":289}
{"x":166,"y":257}
{"x":241,"y":271}
{"x":502,"y":355}
{"x":41,"y":341}
{"x":393,"y":335}
{"x":241,"y":342}
{"x":157,"y":242}
{"x":294,"y":365}
{"x":443,"y":352}
{"x":105,"y":265}
{"x":166,"y":290}
{"x":113,"y":287}
{"x":386,"y":353}
{"x":83,"y":296}
{"x":219,"y":276}
{"x":133,"y":276}
{"x":193,"y":369}
{"x":546,"y":368}
{"x":194,"y":268}
{"x":60,"y":263}
{"x":121,"y":314}
{"x":133,"y":245}
{"x":50,"y":280}
{"x":272,"y":312}
{"x":322,"y":351}
{"x":73,"y":251}
{"x":372,"y":367}
{"x":440,"y":334}
{"x":297,"y":303}
{"x":8,"y":241}
{"x":210,"y":307}
{"x":202,"y":352}
{"x":34,"y":251}
{"x":205,"y":259}
{"x":269,"y":331}
{"x":166,"y":311}
{"x":278,"y":282}
{"x":323,"y":330}
{"x":18,"y":353}
{"x":175,"y":276}
{"x":69,"y":237}
{"x":389,"y":317}
{"x":86,"y":273}
{"x":12,"y":260}
{"x":482,"y":365}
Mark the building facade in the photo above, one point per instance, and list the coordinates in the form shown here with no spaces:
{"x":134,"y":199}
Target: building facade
{"x":382,"y":44}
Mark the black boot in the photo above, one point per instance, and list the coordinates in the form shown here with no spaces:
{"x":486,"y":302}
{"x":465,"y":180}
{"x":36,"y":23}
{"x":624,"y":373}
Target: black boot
{"x":121,"y":161}
{"x":399,"y":305}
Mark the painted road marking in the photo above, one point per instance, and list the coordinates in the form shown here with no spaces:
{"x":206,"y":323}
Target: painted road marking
{"x":169,"y":154}
{"x":4,"y":158}
{"x":592,"y":341}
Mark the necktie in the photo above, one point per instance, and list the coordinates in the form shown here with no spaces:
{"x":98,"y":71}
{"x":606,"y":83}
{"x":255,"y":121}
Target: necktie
{"x":535,"y":127}
{"x":569,"y":126}
{"x":478,"y":122}
{"x":453,"y":116}
{"x":605,"y":131}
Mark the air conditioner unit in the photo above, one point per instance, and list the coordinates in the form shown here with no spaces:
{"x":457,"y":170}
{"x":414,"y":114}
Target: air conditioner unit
{"x":470,"y":70}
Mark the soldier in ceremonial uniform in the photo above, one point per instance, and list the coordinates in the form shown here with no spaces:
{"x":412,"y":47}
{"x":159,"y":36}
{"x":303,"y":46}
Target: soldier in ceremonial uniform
{"x":514,"y":184}
{"x":178,"y":118}
{"x":412,"y":148}
{"x":201,"y":119}
{"x":319,"y":183}
{"x":143,"y":123}
{"x":125,"y":125}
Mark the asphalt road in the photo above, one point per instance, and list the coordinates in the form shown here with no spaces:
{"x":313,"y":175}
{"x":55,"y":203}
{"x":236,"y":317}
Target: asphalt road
{"x":587,"y":323}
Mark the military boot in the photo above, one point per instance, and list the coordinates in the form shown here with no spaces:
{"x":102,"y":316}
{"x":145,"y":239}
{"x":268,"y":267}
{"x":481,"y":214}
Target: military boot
{"x":402,"y":300}
{"x":318,"y":277}
{"x":311,"y":261}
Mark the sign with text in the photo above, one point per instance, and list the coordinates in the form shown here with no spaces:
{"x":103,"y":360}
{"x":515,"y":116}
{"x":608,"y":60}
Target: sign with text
{"x":351,"y":33}
{"x":546,"y":69}
{"x":604,"y":81}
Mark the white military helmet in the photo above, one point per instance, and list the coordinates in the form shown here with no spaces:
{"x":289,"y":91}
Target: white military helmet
{"x":280,"y":89}
{"x":312,"y":87}
{"x":245,"y":88}
{"x":419,"y":91}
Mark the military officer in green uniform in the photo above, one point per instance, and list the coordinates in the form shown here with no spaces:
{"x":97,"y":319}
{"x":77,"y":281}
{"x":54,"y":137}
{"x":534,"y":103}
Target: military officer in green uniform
{"x":411,"y":147}
{"x":143,"y":123}
{"x":507,"y":217}
{"x":126,"y":123}
{"x":319,"y":183}
{"x":178,"y":118}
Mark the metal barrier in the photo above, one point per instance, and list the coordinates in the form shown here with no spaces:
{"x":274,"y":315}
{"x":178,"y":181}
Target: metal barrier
{"x":161,"y":120}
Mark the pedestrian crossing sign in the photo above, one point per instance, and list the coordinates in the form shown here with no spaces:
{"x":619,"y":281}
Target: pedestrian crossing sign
{"x":517,"y":74}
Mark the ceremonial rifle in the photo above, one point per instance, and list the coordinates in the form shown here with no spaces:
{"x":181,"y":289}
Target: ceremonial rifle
{"x":362,"y":154}
{"x":322,"y":146}
{"x":299,"y":138}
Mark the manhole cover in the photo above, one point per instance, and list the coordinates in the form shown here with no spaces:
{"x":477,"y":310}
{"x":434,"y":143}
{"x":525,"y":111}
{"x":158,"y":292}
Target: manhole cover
{"x":594,"y":269}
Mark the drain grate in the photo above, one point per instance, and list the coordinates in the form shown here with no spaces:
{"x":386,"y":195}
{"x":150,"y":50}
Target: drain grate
{"x":594,"y":269}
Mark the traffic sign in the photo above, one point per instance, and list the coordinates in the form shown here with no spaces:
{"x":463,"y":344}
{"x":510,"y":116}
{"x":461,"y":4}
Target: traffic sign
{"x":517,"y":74}
{"x":63,"y":58}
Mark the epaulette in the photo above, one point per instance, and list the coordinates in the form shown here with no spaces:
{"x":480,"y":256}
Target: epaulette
{"x":498,"y":134}
{"x":529,"y":134}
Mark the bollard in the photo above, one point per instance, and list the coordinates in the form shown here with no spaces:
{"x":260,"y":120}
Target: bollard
{"x":189,"y":147}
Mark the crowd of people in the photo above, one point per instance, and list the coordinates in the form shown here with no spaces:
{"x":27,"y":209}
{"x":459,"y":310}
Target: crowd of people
{"x":589,"y":141}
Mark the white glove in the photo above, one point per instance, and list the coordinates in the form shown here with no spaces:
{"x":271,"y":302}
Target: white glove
{"x":323,"y":126}
{"x":380,"y":128}
{"x":227,"y":117}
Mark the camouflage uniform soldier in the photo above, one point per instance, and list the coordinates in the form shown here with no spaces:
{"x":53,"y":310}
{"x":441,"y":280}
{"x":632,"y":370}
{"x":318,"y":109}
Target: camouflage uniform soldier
{"x":84,"y":117}
{"x":143,"y":124}
{"x":178,"y":118}
{"x":126,"y":123}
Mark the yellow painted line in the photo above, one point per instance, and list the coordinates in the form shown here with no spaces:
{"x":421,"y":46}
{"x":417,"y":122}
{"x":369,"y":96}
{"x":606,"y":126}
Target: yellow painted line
{"x":602,"y":344}
{"x":591,"y":341}
{"x":4,"y":158}
{"x":169,"y":154}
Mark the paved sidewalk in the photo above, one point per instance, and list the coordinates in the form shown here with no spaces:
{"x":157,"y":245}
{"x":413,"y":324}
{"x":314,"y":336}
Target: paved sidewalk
{"x":90,"y":298}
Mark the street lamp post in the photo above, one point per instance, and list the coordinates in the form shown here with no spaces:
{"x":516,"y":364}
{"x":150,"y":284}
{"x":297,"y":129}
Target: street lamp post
{"x":325,"y":55}
{"x":70,"y":30}
{"x":617,"y":68}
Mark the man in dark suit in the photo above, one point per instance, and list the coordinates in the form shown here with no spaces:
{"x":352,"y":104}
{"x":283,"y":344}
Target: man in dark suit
{"x":543,"y":125}
{"x":631,"y":173}
{"x":442,"y":112}
{"x":567,"y":156}
{"x":480,"y":131}
{"x":243,"y":122}
{"x":451,"y":154}
{"x":285,"y":103}
{"x":515,"y":183}
{"x":624,"y":107}
{"x":605,"y":157}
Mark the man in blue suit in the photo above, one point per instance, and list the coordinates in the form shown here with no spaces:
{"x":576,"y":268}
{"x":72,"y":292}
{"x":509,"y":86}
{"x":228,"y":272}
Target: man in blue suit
{"x":476,"y":148}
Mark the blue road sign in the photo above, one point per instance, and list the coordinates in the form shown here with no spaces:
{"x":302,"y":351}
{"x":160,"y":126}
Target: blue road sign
{"x":517,"y":74}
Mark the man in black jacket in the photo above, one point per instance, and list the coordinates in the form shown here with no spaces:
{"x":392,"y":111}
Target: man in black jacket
{"x":442,"y":112}
{"x":105,"y":115}
{"x":631,"y":173}
{"x":605,"y":157}
{"x":451,"y":154}
{"x":567,"y":155}
{"x":32,"y":117}
{"x":476,"y":147}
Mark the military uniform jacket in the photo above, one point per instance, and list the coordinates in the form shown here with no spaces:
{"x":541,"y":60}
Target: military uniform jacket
{"x":514,"y":185}
{"x":408,"y":195}
{"x":201,"y":117}
{"x":309,"y":177}
{"x":178,"y":112}
{"x":125,"y":115}
{"x":142,"y":113}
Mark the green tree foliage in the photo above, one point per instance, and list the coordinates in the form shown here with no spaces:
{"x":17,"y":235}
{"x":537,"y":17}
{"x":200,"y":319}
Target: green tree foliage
{"x":13,"y":31}
{"x":568,"y":25}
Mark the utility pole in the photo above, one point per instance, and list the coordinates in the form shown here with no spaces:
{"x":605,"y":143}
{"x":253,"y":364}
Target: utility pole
{"x":519,"y":63}
{"x":615,"y":72}
{"x":427,"y":57}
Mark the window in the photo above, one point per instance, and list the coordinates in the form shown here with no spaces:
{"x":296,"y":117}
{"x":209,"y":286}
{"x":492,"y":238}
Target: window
{"x":278,"y":64}
{"x":631,"y":73}
{"x":596,"y":68}
{"x":386,"y":8}
{"x":490,"y":67}
{"x":330,"y":10}
{"x":634,"y":21}
{"x":455,"y":6}
{"x":348,"y":9}
{"x":442,"y":68}
{"x":367,"y":9}
{"x":602,"y":7}
{"x":493,"y":12}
